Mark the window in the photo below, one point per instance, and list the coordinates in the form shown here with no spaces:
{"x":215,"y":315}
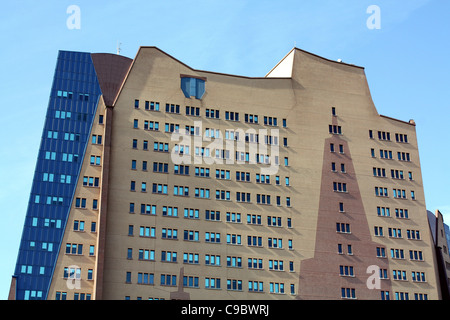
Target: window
{"x":172,"y":127}
{"x":233,"y":217}
{"x":348,"y":293}
{"x":222,"y":195}
{"x":159,"y":188}
{"x":148,"y":209}
{"x":80,"y":203}
{"x":160,"y":146}
{"x":395,"y":232}
{"x":212,"y":237}
{"x":399,"y":193}
{"x":181,"y":169}
{"x":170,"y":211}
{"x":151,"y":125}
{"x":172,"y":108}
{"x":168,"y":280}
{"x":145,"y":278}
{"x":234,"y":262}
{"x":96,"y":139}
{"x":254,"y":241}
{"x":260,"y":178}
{"x":276,"y":265}
{"x":212,"y":283}
{"x":95,"y":160}
{"x":378,"y":231}
{"x":232,"y":116}
{"x":270,"y":121}
{"x":274,"y":221}
{"x":413,"y":234}
{"x":251,"y":118}
{"x":383,"y":211}
{"x":202,"y":172}
{"x":192,"y":111}
{"x":415,"y":255}
{"x":190,"y":281}
{"x":342,"y":227}
{"x":385,"y":136}
{"x":193,"y":87}
{"x":212,"y":113}
{"x":339,"y":187}
{"x":234,"y":285}
{"x":275,"y":243}
{"x":397,"y":174}
{"x":379,"y":172}
{"x":401,"y":213}
{"x":397,"y":254}
{"x":191,"y":258}
{"x":223,"y":174}
{"x":243,"y":197}
{"x":234,"y":239}
{"x":346,"y":271}
{"x":255,"y":286}
{"x":404,"y":156}
{"x":212,"y":215}
{"x":401,"y":138}
{"x":168,"y":233}
{"x":385,"y":154}
{"x":147,"y":231}
{"x":276,"y":287}
{"x":181,"y":191}
{"x":263,"y":198}
{"x":333,"y":129}
{"x":202,"y":193}
{"x":254,"y":219}
{"x":151,"y":105}
{"x":381,"y":192}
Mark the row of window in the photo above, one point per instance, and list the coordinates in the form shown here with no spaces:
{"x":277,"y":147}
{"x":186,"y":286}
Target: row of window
{"x":77,"y":249}
{"x":211,"y":215}
{"x":395,"y":174}
{"x":204,"y":172}
{"x":397,"y":233}
{"x":69,"y":95}
{"x":399,"y":213}
{"x":65,"y":157}
{"x":209,"y":237}
{"x":210,"y":260}
{"x":209,"y":283}
{"x":204,"y":193}
{"x":388,"y":154}
{"x":397,"y":193}
{"x":386,"y":136}
{"x":210,"y":113}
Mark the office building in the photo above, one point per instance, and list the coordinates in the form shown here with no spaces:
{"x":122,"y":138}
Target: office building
{"x":155,"y":180}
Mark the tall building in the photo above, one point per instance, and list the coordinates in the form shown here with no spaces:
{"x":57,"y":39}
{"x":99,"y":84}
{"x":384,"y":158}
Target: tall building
{"x":158,"y":181}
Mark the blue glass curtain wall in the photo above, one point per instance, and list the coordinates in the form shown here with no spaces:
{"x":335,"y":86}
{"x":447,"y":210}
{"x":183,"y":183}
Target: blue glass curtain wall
{"x":70,"y":114}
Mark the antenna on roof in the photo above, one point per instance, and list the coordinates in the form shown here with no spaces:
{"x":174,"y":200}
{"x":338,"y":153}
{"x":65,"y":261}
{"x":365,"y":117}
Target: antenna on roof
{"x":118,"y":47}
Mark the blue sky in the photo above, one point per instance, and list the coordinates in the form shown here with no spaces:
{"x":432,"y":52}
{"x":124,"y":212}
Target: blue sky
{"x":406,"y":62}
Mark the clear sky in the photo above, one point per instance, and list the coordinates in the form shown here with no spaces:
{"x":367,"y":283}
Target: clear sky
{"x":406,"y":62}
